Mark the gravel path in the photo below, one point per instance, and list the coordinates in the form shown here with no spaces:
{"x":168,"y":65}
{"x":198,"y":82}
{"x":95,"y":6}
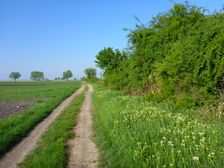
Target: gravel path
{"x":18,"y":153}
{"x":83,"y":151}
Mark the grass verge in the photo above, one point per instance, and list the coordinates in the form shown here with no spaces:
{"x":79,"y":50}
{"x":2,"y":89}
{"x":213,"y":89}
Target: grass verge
{"x":51,"y":151}
{"x":132,"y":132}
{"x":14,"y":128}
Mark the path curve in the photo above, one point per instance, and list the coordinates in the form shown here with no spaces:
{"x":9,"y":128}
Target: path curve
{"x":83,"y":151}
{"x":22,"y":149}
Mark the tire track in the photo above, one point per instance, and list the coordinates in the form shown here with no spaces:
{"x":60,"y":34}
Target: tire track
{"x":83,"y":151}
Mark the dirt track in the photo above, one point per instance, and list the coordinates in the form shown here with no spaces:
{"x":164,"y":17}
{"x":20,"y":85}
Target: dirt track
{"x":83,"y":152}
{"x":18,"y":153}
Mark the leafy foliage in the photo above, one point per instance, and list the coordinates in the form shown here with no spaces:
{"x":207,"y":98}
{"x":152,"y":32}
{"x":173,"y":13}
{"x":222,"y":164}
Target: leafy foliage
{"x":111,"y":61}
{"x":67,"y":74}
{"x":90,"y":73}
{"x":37,"y":75}
{"x":15,"y":75}
{"x":179,"y":54}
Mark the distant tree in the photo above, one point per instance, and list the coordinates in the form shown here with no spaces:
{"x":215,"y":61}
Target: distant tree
{"x":15,"y":75}
{"x":57,"y":78}
{"x":37,"y":75}
{"x":67,"y":74}
{"x":90,"y":73}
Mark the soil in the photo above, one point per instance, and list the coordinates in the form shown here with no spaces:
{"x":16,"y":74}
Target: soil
{"x":22,"y":149}
{"x":10,"y":108}
{"x":83,"y":151}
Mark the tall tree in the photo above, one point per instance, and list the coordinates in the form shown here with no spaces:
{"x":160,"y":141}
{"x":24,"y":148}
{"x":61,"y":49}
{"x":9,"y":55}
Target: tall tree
{"x":90,"y":73}
{"x":37,"y":75}
{"x":109,"y":59}
{"x":67,"y":74}
{"x":15,"y":75}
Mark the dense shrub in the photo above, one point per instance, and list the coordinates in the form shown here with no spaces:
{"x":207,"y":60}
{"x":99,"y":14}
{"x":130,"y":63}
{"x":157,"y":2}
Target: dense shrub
{"x":179,"y":55}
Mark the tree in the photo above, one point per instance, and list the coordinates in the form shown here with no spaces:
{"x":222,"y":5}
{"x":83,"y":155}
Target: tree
{"x":15,"y":75}
{"x":37,"y":75}
{"x":57,"y":78}
{"x":90,"y":73}
{"x":67,"y":74}
{"x":109,"y":59}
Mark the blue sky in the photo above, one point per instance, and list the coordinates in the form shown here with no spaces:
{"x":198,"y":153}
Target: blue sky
{"x":56,"y":35}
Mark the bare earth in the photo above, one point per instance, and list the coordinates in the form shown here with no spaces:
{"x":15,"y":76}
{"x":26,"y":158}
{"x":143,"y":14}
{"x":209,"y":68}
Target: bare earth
{"x":10,"y":108}
{"x":18,"y":153}
{"x":83,"y":152}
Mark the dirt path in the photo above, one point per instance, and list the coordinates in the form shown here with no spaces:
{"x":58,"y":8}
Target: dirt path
{"x":18,"y":153}
{"x":83,"y":152}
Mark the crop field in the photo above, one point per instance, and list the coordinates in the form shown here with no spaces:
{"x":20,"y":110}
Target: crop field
{"x":24,"y":104}
{"x":132,"y":132}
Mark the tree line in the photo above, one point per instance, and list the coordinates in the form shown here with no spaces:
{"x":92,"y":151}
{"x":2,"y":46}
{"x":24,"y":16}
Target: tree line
{"x":39,"y":76}
{"x":179,"y":56}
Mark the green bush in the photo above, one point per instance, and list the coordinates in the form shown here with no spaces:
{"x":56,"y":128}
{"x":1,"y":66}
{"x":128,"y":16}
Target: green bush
{"x":179,"y":53}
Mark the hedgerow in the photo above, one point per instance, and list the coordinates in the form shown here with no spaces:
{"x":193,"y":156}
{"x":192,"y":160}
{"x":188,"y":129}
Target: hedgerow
{"x":179,"y":56}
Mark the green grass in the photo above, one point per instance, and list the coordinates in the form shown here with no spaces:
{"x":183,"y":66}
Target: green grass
{"x":12,"y":91}
{"x":132,"y":132}
{"x":51,"y":151}
{"x":46,"y":95}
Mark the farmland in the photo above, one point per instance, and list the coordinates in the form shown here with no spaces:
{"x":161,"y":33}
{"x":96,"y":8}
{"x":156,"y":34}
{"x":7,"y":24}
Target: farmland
{"x":156,"y":103}
{"x":133,"y":132}
{"x":44,"y":97}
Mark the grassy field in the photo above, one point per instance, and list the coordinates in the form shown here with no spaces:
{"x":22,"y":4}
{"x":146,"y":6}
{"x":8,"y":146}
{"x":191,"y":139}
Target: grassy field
{"x":39,"y":91}
{"x":45,"y":96}
{"x":132,"y":132}
{"x":52,"y":149}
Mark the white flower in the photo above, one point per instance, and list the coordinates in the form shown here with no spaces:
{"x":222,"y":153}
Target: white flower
{"x":196,"y":158}
{"x":213,"y":153}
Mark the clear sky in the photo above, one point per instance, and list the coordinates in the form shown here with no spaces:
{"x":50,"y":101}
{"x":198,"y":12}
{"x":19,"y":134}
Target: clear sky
{"x":56,"y":35}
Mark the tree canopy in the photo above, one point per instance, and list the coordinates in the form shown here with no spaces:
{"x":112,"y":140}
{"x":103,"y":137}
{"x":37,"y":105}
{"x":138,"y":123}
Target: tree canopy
{"x":37,"y":75}
{"x":67,"y":74}
{"x":90,"y":73}
{"x":15,"y":75}
{"x":109,"y":59}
